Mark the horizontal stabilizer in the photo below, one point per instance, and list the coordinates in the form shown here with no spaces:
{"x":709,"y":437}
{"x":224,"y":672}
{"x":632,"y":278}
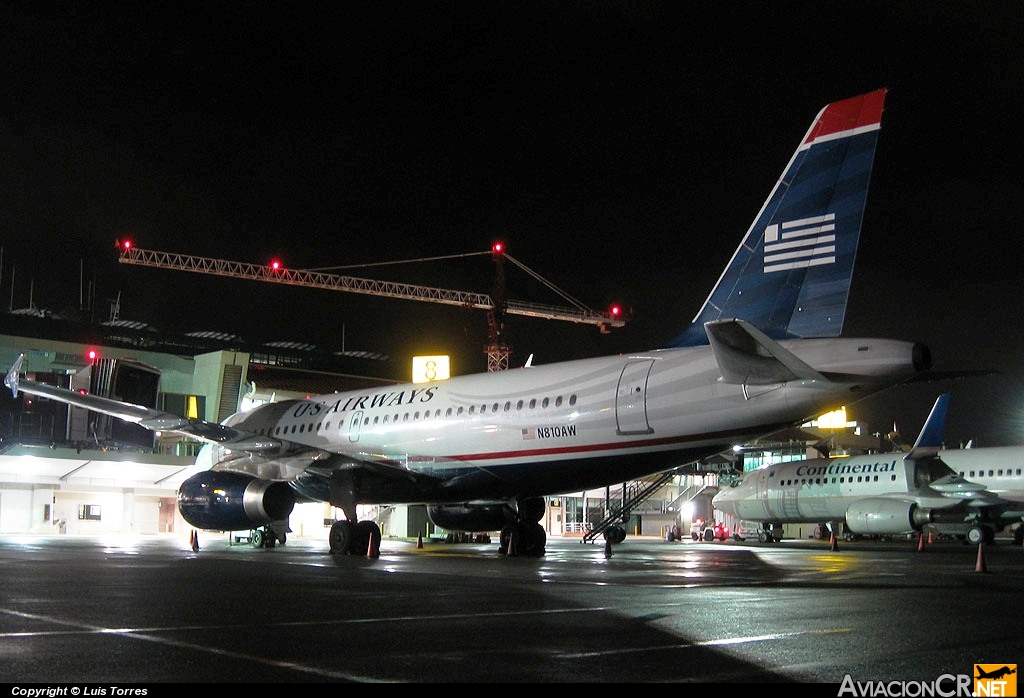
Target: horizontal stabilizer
{"x":747,"y":356}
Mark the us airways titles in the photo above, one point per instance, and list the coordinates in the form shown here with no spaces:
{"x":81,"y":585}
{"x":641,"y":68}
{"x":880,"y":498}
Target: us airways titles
{"x":846,"y":468}
{"x":363,"y":402}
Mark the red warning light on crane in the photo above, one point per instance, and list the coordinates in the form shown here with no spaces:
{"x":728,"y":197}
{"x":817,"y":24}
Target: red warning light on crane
{"x":276,"y":265}
{"x":125,"y":244}
{"x":91,"y":355}
{"x":498,"y":248}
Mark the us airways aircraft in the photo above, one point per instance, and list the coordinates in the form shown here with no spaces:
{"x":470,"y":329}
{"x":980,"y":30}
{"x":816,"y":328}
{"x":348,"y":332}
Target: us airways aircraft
{"x":483,"y":451}
{"x":970,"y":493}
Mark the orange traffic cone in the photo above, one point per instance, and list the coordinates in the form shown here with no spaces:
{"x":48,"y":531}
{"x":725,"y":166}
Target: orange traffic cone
{"x":930,"y":538}
{"x":980,"y":567}
{"x":419,"y":540}
{"x":920,"y":542}
{"x":195,"y":541}
{"x":832,"y":544}
{"x":373,"y":548}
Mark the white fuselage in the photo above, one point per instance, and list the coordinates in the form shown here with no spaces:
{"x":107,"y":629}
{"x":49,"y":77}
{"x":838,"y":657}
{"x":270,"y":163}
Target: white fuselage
{"x":822,"y":490}
{"x":670,"y":403}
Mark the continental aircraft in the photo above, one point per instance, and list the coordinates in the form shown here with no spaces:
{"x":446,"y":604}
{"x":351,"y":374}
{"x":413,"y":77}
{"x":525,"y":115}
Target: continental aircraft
{"x":969,"y":493}
{"x":483,"y":451}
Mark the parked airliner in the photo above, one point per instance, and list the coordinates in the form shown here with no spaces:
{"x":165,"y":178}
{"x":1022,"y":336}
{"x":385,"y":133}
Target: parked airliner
{"x":969,"y":493}
{"x":483,"y":451}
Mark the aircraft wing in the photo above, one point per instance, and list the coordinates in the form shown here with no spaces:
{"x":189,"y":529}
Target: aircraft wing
{"x":148,"y":417}
{"x":258,"y":455}
{"x":747,"y":356}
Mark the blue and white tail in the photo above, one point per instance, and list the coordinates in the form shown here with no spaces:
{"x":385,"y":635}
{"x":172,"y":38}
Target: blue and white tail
{"x":790,"y":277}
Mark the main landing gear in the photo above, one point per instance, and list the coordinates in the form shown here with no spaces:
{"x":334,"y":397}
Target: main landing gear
{"x":525,"y":536}
{"x":348,"y":538}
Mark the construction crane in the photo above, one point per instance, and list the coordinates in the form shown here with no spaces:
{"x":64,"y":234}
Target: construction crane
{"x":497,"y":307}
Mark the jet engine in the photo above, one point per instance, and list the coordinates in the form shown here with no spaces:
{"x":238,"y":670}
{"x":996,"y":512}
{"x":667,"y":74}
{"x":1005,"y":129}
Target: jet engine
{"x":470,"y":517}
{"x":881,"y":516}
{"x":219,"y":501}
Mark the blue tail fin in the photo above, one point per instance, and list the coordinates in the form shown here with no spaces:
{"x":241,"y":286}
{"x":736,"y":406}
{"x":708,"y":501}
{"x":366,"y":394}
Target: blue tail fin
{"x":790,"y":277}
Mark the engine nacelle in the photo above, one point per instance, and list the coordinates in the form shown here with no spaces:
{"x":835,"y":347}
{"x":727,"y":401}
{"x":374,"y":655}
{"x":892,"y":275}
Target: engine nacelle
{"x":218,"y":501}
{"x":470,"y":517}
{"x":881,"y":516}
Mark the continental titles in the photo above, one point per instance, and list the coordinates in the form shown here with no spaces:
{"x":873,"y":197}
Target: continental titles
{"x":846,"y":468}
{"x":393,"y":398}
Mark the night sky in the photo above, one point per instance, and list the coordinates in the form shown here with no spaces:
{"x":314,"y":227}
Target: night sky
{"x":619,"y":149}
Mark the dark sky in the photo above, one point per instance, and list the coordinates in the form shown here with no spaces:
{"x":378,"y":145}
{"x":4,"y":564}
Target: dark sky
{"x":619,"y":149}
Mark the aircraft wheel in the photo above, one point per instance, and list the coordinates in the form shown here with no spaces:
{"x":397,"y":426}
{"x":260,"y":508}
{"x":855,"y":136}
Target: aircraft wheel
{"x":533,"y":540}
{"x":256,"y":538}
{"x":976,"y":535}
{"x":762,"y":536}
{"x":340,"y":538}
{"x":503,"y":538}
{"x":615,"y":534}
{"x":365,"y":531}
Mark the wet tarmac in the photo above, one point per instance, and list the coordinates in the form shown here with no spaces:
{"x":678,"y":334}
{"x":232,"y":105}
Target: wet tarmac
{"x":145,"y":611}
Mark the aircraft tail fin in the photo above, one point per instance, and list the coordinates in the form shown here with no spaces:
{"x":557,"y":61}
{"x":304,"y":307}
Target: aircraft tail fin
{"x":790,"y":276}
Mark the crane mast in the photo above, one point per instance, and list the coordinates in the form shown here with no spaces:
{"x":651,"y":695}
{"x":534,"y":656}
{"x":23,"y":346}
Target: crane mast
{"x":497,"y":307}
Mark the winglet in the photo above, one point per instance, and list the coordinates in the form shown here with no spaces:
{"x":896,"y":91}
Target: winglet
{"x":11,"y":379}
{"x":930,"y":439}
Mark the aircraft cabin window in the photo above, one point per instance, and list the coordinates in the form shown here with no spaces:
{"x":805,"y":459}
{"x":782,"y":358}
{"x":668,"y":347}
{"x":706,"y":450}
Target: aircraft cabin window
{"x":448,"y":412}
{"x":544,"y":402}
{"x":405,"y":417}
{"x":385,"y":419}
{"x":892,"y":478}
{"x":494,"y":408}
{"x":999,"y":472}
{"x":376,"y":421}
{"x":558,"y":401}
{"x":508,"y":406}
{"x":417,"y":415}
{"x":572,"y":400}
{"x":519,"y":405}
{"x":366,"y":422}
{"x":483,"y":409}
